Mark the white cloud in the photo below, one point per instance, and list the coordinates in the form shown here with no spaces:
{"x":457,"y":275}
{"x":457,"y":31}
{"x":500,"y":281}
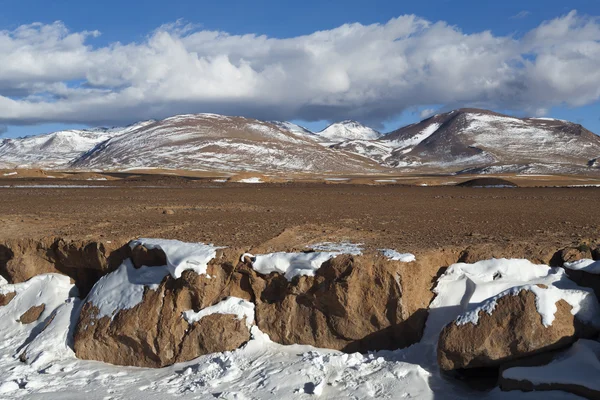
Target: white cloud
{"x":521,"y":15}
{"x":364,"y":72}
{"x":426,"y":113}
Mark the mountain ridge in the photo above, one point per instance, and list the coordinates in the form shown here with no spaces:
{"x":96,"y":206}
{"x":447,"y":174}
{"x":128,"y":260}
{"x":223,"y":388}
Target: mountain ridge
{"x":466,"y":139}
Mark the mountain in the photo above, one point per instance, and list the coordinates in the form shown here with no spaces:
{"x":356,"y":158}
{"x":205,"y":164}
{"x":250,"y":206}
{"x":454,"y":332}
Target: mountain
{"x":55,"y":149}
{"x":460,"y":141}
{"x":348,"y":130}
{"x":211,"y":142}
{"x":481,"y":141}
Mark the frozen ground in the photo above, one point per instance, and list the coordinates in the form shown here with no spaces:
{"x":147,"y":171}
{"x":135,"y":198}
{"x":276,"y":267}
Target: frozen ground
{"x":261,"y":369}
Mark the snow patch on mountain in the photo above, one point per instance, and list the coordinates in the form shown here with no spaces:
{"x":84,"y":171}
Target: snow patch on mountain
{"x":348,"y":130}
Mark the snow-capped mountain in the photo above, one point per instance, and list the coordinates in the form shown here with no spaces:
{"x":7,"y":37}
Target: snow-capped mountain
{"x":465,"y":140}
{"x":213,"y":142}
{"x":348,"y":130}
{"x":473,"y":138}
{"x":56,"y":149}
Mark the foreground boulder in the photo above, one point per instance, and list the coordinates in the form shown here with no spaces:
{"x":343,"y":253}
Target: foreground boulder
{"x":136,"y":316}
{"x":510,"y":327}
{"x":352,"y":303}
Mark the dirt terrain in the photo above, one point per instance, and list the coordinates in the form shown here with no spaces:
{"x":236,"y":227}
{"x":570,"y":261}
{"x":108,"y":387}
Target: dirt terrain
{"x":288,"y":215}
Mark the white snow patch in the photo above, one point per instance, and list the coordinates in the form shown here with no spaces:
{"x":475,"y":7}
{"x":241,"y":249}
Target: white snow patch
{"x":301,"y":264}
{"x":251,"y":180}
{"x":231,"y":305}
{"x":396,"y":256}
{"x":181,"y":256}
{"x":354,"y":249}
{"x":584,"y":304}
{"x":10,"y":173}
{"x":290,"y":264}
{"x":579,"y":365}
{"x":587,"y":265}
{"x":123,"y":289}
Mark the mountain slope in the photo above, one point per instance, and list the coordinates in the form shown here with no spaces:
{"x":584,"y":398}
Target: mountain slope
{"x":348,"y":130}
{"x":473,"y":138}
{"x":219,"y":143}
{"x":55,"y":149}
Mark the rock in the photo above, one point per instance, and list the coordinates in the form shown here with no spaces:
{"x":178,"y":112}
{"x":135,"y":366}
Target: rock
{"x":596,"y":254}
{"x":84,"y":261}
{"x":142,"y":256}
{"x":353,"y":303}
{"x":535,"y":253}
{"x":168,"y":212}
{"x":32,"y":314}
{"x":571,"y":254}
{"x":6,"y":298}
{"x":514,"y":330}
{"x":154,"y":334}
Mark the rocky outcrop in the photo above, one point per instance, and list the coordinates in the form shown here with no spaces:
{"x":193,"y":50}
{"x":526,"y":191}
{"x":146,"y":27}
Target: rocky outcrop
{"x":353,"y":303}
{"x":84,"y":261}
{"x":571,"y":254}
{"x":514,"y":330}
{"x":33,"y":314}
{"x":154,"y":333}
{"x":6,"y":298}
{"x":537,"y":254}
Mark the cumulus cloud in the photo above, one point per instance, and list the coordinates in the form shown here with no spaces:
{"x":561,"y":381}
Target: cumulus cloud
{"x":364,"y":72}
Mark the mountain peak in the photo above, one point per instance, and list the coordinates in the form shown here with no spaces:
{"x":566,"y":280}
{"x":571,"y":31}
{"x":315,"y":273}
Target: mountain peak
{"x":349,"y":130}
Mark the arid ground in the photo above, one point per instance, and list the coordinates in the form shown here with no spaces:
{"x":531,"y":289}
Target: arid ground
{"x":406,"y":218}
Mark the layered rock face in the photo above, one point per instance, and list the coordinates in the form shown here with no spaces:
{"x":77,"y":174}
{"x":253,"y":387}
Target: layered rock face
{"x":84,"y":261}
{"x":154,"y":333}
{"x":353,"y":303}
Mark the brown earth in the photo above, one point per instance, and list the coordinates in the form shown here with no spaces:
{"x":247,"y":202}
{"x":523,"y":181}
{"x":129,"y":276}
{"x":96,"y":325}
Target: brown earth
{"x":32,"y":314}
{"x":248,"y":215}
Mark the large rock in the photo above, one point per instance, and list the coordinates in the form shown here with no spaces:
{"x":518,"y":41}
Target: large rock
{"x":353,"y":303}
{"x":84,"y":261}
{"x":513,"y":330}
{"x":153,"y":332}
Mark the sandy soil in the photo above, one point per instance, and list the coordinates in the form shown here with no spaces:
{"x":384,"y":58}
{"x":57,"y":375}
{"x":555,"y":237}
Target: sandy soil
{"x":247,"y":215}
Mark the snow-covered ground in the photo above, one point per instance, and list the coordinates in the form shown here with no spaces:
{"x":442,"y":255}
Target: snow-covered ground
{"x":261,"y":369}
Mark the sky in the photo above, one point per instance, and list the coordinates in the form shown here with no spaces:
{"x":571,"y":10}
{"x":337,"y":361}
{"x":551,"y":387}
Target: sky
{"x":72,"y":64}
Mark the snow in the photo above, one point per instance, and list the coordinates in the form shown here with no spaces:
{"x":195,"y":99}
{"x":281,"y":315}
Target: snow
{"x":348,"y":130}
{"x":251,"y":180}
{"x":290,"y":264}
{"x":10,"y":173}
{"x":584,"y":304}
{"x":124,"y":288}
{"x":231,"y":305}
{"x":587,"y":265}
{"x":396,"y":256}
{"x":579,"y":365}
{"x":472,"y":288}
{"x":300,"y":264}
{"x":339,"y":247}
{"x":407,"y":145}
{"x":181,"y":256}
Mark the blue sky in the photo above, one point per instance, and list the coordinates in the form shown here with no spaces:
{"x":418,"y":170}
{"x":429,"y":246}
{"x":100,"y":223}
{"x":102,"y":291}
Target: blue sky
{"x":133,"y":22}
